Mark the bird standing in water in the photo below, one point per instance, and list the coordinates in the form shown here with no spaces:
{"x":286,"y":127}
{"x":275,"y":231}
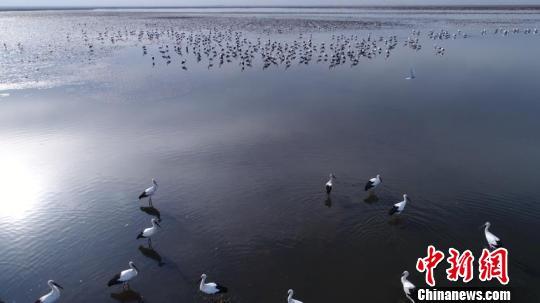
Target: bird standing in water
{"x":329,"y":184}
{"x":290,"y":299}
{"x":408,"y":287}
{"x":150,"y":231}
{"x":373,"y":183}
{"x":211,"y":288}
{"x":400,"y":206}
{"x":493,"y":241}
{"x":149,"y":192}
{"x":53,"y":295}
{"x":124,"y":276}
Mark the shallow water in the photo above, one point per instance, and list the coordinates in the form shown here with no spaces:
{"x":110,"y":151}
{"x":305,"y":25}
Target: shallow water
{"x":242,"y":156}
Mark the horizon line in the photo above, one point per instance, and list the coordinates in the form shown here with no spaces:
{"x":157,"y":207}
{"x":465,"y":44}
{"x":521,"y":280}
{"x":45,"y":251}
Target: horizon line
{"x":382,"y":6}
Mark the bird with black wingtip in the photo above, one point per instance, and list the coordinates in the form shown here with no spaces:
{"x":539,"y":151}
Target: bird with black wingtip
{"x":149,"y":192}
{"x":400,"y":206}
{"x":53,"y":295}
{"x":329,"y":184}
{"x":124,"y":276}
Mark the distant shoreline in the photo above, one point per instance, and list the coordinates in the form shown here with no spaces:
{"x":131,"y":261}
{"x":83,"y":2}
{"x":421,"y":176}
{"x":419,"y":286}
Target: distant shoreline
{"x":381,"y":7}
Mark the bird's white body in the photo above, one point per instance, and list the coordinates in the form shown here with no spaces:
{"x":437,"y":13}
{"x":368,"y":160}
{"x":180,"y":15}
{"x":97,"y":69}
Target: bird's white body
{"x":124,"y":276}
{"x":493,"y":241}
{"x":408,"y":287}
{"x":376,"y":181}
{"x":152,"y":189}
{"x":128,"y":274}
{"x":290,"y":298}
{"x":52,"y":296}
{"x":400,"y":206}
{"x":329,"y":184}
{"x":373,"y":182}
{"x":149,"y":192}
{"x":150,"y":231}
{"x":210,"y":288}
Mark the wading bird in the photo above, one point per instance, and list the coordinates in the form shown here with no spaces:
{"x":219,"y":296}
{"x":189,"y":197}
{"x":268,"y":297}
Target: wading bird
{"x":149,"y":192}
{"x":290,"y":299}
{"x":147,"y":233}
{"x":329,"y":184}
{"x":124,"y":276}
{"x":53,"y":295}
{"x":492,"y":240}
{"x":211,"y":288}
{"x":400,"y":206}
{"x":408,"y":287}
{"x":373,"y":182}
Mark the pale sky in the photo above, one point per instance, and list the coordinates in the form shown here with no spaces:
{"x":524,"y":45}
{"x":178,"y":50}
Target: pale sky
{"x":251,"y":2}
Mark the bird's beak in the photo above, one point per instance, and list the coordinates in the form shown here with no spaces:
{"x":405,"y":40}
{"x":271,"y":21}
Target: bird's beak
{"x":157,"y":223}
{"x":57,"y":285}
{"x":136,"y":268}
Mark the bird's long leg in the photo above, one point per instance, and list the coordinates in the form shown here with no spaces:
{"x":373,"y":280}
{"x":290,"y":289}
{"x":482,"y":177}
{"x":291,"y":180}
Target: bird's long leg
{"x":149,"y":242}
{"x":150,"y":202}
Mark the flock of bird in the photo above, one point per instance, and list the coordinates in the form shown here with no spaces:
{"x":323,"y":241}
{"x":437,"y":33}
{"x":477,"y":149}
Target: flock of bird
{"x":222,"y":47}
{"x":212,"y":288}
{"x":192,"y":44}
{"x":217,"y":46}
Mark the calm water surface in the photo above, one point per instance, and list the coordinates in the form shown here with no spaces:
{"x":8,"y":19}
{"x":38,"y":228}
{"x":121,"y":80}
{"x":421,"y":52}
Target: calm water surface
{"x":241,"y":157}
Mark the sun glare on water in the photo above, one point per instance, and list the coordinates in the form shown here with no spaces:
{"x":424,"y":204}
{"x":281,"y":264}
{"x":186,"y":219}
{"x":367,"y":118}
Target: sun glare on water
{"x":20,"y":186}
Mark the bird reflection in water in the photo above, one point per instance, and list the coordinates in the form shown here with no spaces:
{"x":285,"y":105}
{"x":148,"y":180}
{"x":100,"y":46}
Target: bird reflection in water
{"x":217,"y":300}
{"x":151,"y":253}
{"x":152,"y":211}
{"x":371,"y":198}
{"x":127,"y":296}
{"x":398,"y":221}
{"x":328,"y":202}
